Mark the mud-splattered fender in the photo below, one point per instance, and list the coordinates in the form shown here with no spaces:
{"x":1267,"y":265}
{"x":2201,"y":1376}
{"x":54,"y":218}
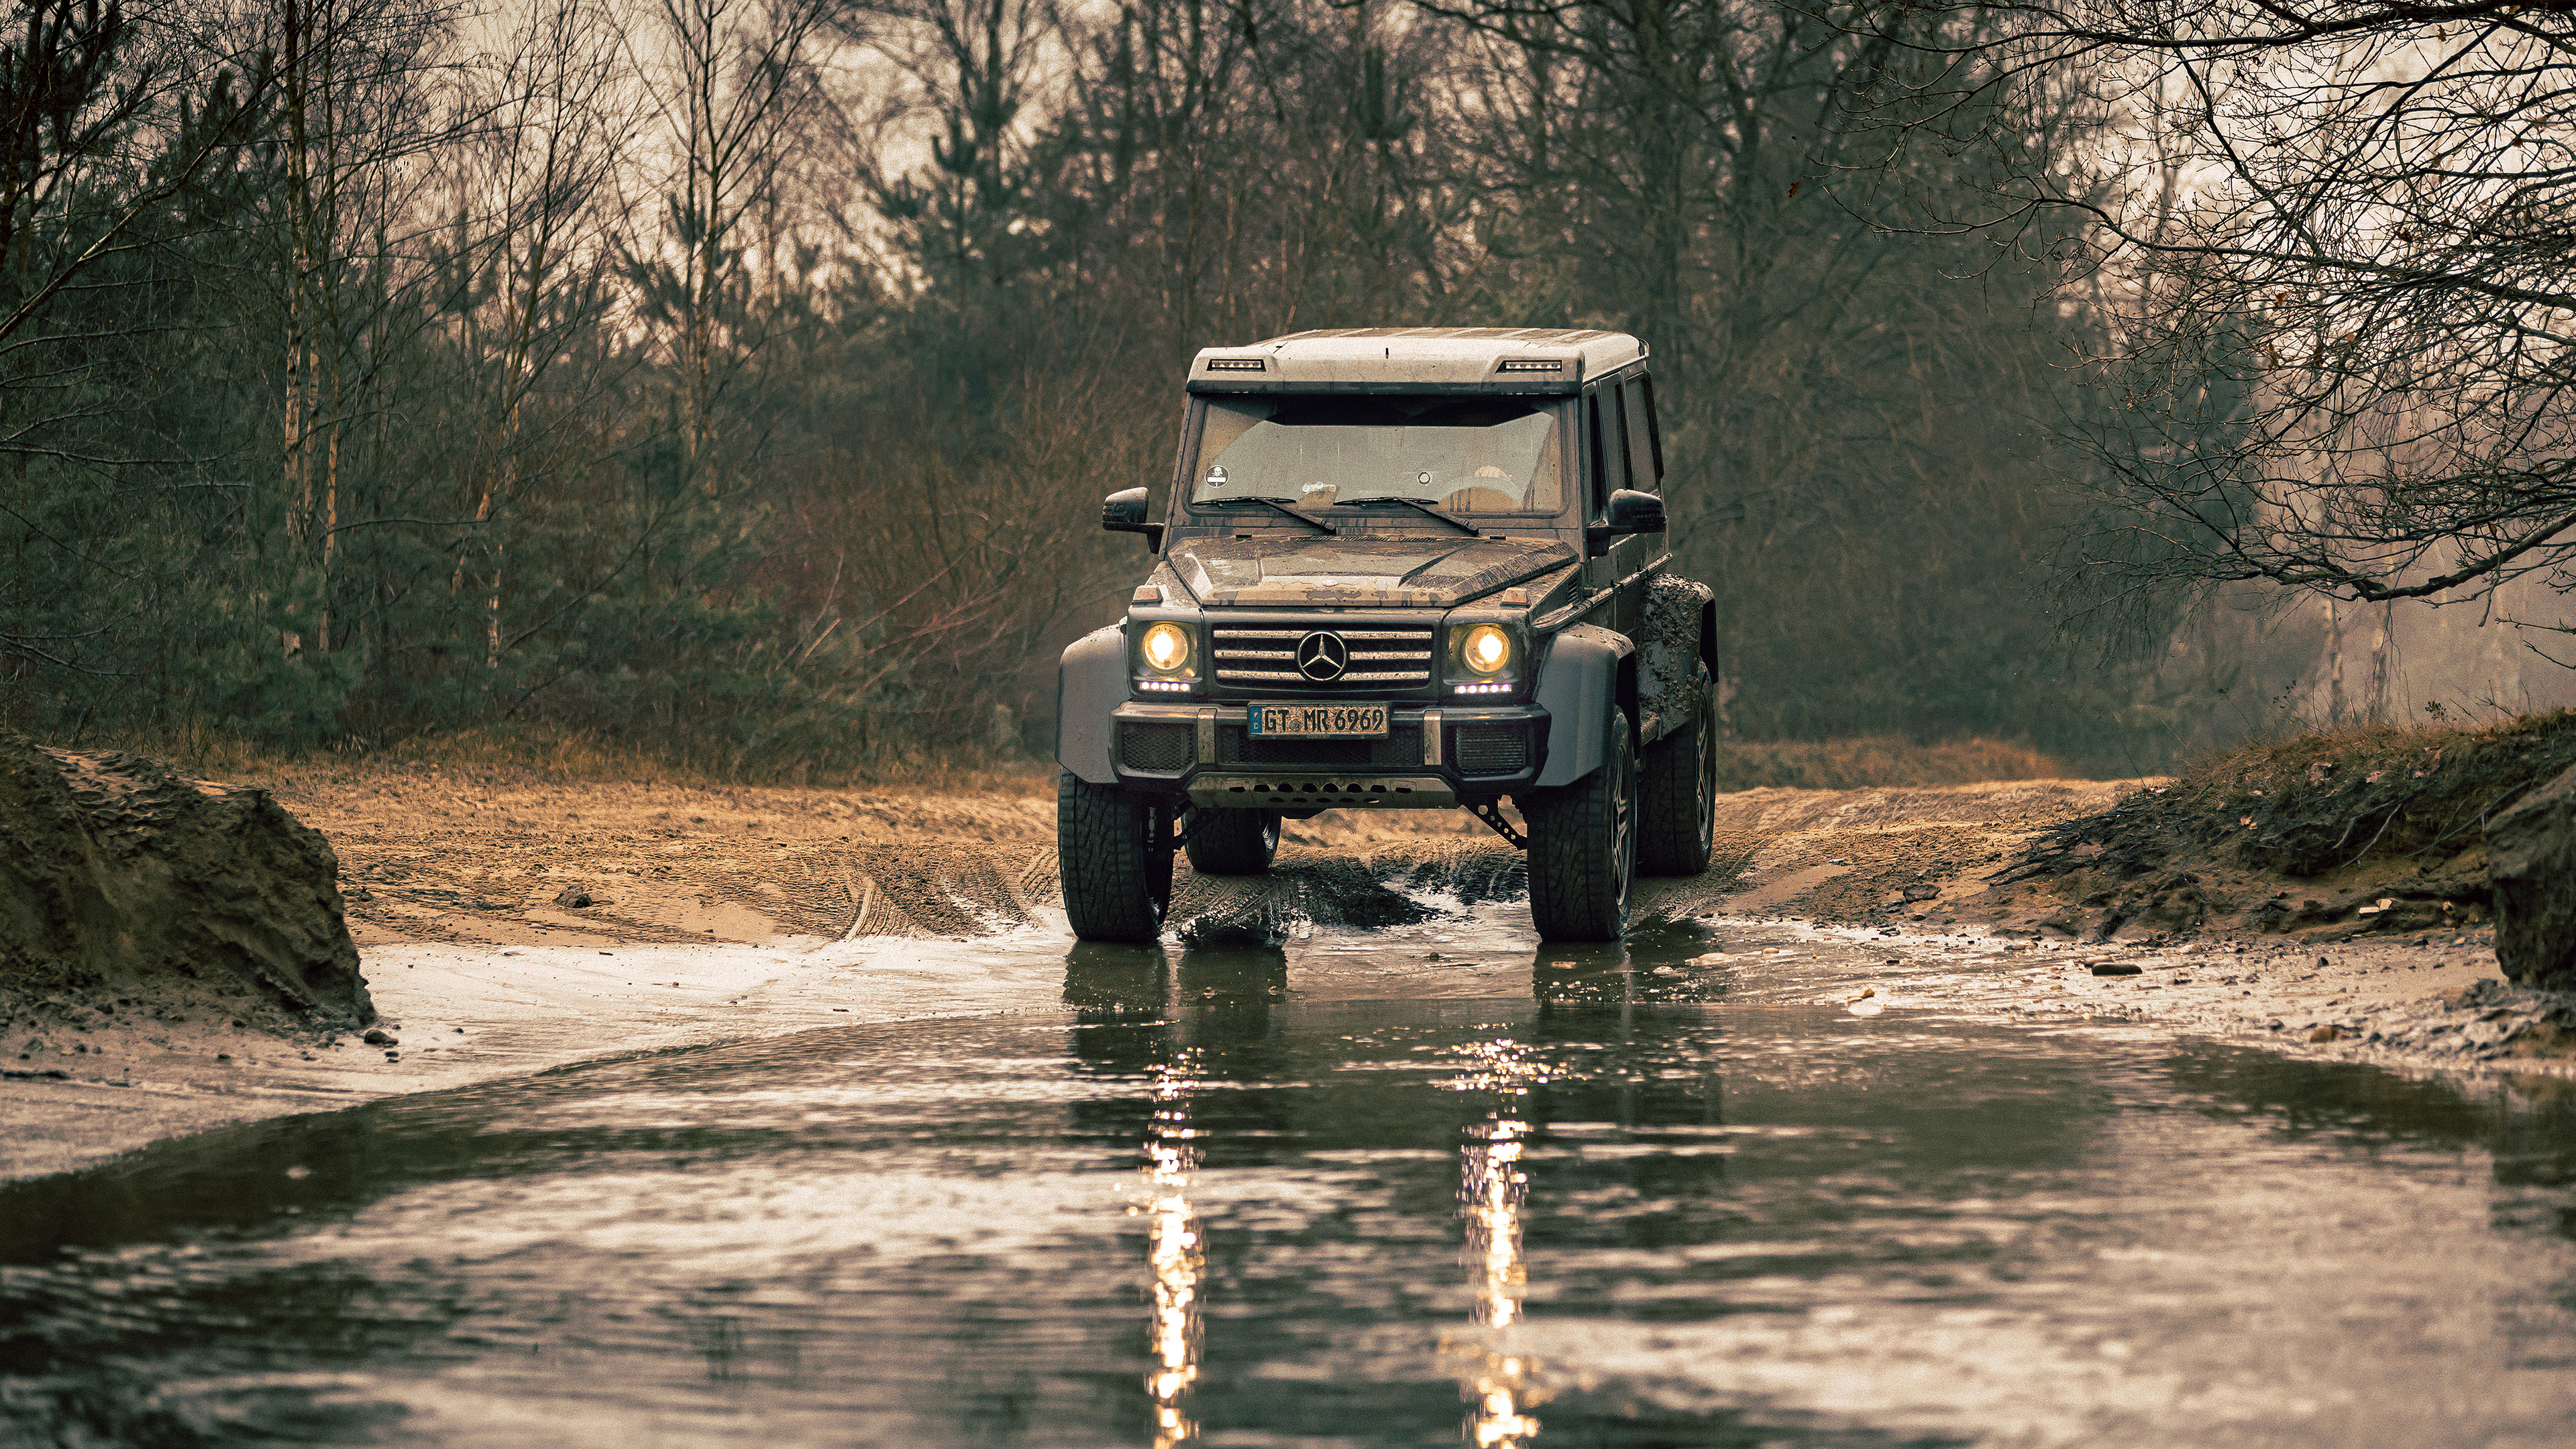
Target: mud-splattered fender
{"x":1578,"y":686}
{"x":1675,"y":637}
{"x":1090,"y":683}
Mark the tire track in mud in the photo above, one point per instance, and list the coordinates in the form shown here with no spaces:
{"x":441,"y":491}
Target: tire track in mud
{"x":1827,"y":853}
{"x":819,"y":865}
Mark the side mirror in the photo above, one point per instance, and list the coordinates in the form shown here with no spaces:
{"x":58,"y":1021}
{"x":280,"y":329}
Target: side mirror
{"x":1630,"y":512}
{"x":1124,"y":512}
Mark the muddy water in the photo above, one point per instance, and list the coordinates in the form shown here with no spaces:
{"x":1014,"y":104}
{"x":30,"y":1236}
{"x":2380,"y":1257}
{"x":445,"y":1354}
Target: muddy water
{"x":1334,"y":1191}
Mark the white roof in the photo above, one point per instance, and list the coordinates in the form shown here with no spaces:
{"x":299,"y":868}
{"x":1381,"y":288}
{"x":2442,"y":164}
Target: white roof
{"x":1437,"y":355}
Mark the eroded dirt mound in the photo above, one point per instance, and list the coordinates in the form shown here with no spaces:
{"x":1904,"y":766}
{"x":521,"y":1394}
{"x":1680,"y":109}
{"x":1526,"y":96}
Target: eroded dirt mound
{"x":126,"y":886}
{"x":2335,"y":835}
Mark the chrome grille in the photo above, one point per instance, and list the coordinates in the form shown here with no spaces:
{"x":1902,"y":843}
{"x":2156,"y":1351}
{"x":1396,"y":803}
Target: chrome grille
{"x":1268,"y":655}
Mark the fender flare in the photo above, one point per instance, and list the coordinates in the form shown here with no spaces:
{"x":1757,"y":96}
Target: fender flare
{"x":1674,"y":639}
{"x":1587,"y":671}
{"x":1090,"y":684}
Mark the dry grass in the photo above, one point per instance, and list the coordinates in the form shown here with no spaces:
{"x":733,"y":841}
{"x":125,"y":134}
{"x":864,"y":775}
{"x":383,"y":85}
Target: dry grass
{"x":572,"y":756}
{"x":567,"y":757}
{"x":1871,"y":761}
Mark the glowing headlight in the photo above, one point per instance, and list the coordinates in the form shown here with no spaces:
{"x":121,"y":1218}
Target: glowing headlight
{"x":1486,"y":649}
{"x":1166,"y":648}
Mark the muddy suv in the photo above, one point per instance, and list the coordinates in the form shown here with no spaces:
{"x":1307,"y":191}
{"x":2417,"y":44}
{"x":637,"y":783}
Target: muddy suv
{"x":1402,"y":568}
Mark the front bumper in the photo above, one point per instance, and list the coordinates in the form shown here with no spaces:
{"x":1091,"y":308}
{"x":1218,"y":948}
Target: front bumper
{"x":1430,"y":758}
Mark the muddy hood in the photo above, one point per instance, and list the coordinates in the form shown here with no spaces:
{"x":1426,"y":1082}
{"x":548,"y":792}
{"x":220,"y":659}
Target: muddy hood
{"x":1409,"y":572}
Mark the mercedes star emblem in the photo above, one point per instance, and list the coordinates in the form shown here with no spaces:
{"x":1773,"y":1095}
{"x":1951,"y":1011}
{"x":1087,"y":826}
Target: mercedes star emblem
{"x":1322,"y":657}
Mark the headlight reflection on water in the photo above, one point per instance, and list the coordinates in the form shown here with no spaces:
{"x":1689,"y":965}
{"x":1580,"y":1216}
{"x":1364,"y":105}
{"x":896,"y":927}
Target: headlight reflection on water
{"x":1175,"y":1252}
{"x":1492,"y":1190}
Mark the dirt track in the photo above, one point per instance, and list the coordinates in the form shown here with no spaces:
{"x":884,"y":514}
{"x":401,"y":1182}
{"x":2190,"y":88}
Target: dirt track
{"x":483,"y":860}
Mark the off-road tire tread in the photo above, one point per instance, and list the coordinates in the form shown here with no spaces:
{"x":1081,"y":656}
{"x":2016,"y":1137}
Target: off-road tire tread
{"x":1107,"y":868}
{"x":1572,"y":895}
{"x":1231,"y":842}
{"x":1672,"y":834}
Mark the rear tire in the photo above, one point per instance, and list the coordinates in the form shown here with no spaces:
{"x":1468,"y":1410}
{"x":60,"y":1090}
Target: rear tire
{"x":1113,"y":854}
{"x":1232,"y":842}
{"x":1583,"y":847}
{"x":1677,"y":792}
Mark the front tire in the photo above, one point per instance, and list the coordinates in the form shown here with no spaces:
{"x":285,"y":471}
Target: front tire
{"x":1677,"y":795}
{"x":1113,"y":853}
{"x":1232,"y":842}
{"x":1583,"y":847}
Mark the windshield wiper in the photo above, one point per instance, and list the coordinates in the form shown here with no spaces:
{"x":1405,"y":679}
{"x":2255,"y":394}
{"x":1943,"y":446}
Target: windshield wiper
{"x":1448,"y":518}
{"x":1279,"y":505}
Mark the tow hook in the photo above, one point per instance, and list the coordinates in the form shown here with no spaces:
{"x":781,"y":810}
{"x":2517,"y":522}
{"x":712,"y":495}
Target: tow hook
{"x":1492,"y":814}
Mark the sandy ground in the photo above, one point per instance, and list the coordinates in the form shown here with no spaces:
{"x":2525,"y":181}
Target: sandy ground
{"x":716,"y":914}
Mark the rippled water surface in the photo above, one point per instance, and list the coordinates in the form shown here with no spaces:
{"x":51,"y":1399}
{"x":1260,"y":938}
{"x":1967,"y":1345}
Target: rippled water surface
{"x":1214,"y":1199}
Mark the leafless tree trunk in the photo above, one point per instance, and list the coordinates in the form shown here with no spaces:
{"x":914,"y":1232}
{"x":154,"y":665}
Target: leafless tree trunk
{"x":732,"y":82}
{"x":540,"y":189}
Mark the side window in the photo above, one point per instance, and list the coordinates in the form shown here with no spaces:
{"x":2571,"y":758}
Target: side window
{"x":1609,"y":458}
{"x":1645,"y":439}
{"x":1621,"y":437}
{"x":1600,"y":493}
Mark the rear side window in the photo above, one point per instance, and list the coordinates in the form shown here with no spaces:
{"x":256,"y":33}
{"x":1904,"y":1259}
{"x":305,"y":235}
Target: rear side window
{"x":1609,"y":456}
{"x":1645,"y":441}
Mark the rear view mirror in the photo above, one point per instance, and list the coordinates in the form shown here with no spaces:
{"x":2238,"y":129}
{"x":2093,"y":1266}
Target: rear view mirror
{"x":1635,"y":512}
{"x":1630,"y":512}
{"x":1124,"y":512}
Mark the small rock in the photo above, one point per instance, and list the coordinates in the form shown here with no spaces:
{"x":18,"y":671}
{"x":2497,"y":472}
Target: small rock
{"x":2114,"y":968}
{"x":378,"y":1036}
{"x":393,"y":1056}
{"x":572,"y":898}
{"x":1921,"y":892}
{"x":2327,"y":1032}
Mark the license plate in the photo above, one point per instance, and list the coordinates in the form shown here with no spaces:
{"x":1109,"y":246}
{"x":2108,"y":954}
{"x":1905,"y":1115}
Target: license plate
{"x":1318,"y":721}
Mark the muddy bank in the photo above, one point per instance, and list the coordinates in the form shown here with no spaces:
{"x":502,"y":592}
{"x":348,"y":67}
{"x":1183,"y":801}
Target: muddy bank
{"x":134,"y":898}
{"x":2374,"y":831}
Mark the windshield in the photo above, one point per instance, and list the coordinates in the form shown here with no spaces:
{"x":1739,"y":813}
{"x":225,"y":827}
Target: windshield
{"x":1466,"y":455}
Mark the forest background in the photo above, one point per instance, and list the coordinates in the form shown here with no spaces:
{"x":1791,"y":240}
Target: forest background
{"x":737,"y":380}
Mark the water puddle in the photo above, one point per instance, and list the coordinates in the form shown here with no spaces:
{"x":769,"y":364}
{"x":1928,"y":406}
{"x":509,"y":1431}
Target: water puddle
{"x":1429,"y":1184}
